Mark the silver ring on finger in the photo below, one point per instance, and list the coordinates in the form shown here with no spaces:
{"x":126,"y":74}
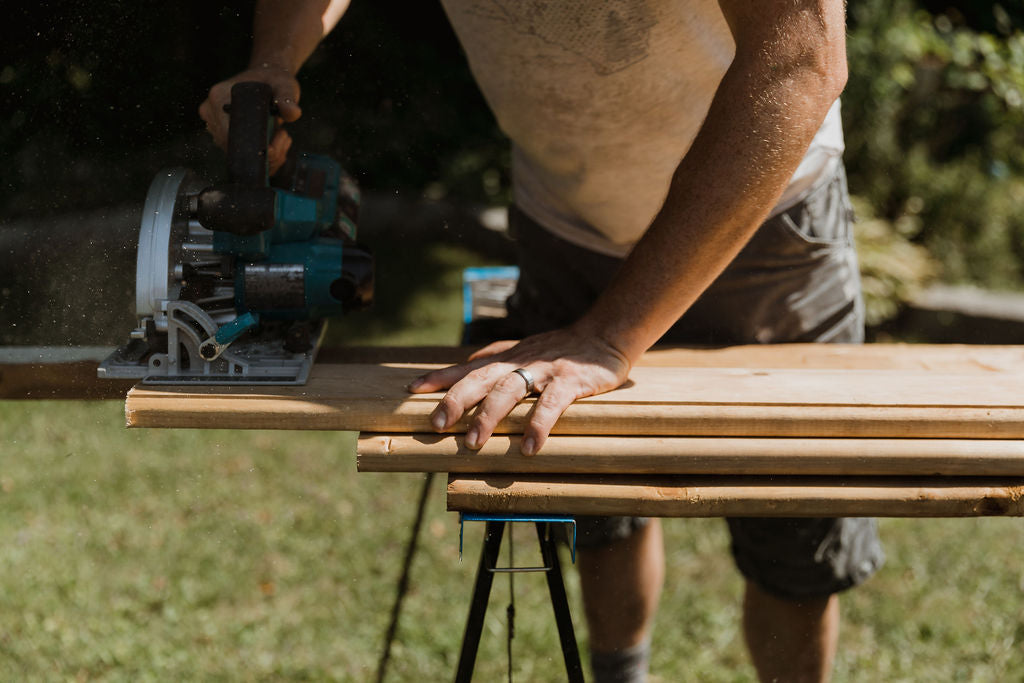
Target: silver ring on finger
{"x":527,"y":377}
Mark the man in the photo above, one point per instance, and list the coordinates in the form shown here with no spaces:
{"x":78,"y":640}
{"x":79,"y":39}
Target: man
{"x":677,"y":176}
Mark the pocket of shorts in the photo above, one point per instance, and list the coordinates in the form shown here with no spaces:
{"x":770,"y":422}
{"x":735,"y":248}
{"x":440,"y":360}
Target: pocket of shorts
{"x":822,"y":219}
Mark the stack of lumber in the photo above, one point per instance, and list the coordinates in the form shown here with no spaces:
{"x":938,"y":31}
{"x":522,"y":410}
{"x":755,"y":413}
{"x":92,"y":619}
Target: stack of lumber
{"x":786,"y":430}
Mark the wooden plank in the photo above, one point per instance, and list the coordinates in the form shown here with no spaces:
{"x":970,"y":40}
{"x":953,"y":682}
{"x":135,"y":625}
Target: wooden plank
{"x":695,"y":455}
{"x":657,"y":401}
{"x":932,"y":357}
{"x":77,"y":379}
{"x":936,"y":357}
{"x":695,"y":496}
{"x":72,"y":380}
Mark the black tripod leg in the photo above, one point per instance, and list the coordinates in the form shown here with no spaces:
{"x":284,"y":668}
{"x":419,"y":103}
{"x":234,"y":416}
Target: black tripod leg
{"x":560,"y":603}
{"x":478,"y":606}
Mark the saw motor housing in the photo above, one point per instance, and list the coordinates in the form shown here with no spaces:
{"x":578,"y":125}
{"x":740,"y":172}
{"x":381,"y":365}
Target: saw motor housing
{"x":234,"y":280}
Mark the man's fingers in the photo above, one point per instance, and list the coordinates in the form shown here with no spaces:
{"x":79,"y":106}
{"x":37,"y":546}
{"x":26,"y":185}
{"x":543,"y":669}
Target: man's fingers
{"x":546,"y":411}
{"x":289,"y":111}
{"x":463,"y":395}
{"x":286,"y":98}
{"x":561,"y":365}
{"x":277,"y":151}
{"x":443,"y":378}
{"x":503,"y":397}
{"x":493,"y":349}
{"x":212,"y":112}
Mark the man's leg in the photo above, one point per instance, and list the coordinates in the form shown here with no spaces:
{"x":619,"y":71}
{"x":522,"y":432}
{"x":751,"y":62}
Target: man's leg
{"x":621,"y":583}
{"x":791,"y":640}
{"x":794,"y":571}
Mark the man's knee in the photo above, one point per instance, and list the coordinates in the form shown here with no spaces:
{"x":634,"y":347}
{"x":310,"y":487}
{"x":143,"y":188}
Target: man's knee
{"x":801,"y":559}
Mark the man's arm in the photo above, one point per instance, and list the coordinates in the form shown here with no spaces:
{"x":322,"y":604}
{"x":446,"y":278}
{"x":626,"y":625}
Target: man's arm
{"x":790,"y":66}
{"x":285,"y":33}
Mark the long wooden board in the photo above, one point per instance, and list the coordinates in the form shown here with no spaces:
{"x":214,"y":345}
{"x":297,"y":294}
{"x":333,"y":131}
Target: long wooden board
{"x":657,"y":401}
{"x":695,"y":455}
{"x":77,"y":379}
{"x":933,"y":357}
{"x":694,"y":496}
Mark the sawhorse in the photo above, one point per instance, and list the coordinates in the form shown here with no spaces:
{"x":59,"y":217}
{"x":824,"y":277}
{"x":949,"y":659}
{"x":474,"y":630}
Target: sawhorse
{"x":493,"y":534}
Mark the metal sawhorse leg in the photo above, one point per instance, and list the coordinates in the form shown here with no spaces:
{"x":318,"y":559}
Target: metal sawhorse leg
{"x":482,"y":591}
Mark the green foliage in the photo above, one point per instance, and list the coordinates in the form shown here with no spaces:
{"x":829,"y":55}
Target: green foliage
{"x":893,"y":268}
{"x":934,"y":114}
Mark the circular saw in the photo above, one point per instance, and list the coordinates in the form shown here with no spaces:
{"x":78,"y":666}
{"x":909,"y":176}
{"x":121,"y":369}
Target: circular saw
{"x":234,"y":281}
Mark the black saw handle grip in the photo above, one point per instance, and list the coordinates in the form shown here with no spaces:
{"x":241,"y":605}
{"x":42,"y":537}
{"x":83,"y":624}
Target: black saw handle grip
{"x":252,"y":104}
{"x":245,"y":204}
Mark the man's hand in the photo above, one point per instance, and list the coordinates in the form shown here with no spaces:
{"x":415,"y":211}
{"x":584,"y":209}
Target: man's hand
{"x":565,"y":365}
{"x":285,"y":33}
{"x":286,"y":99}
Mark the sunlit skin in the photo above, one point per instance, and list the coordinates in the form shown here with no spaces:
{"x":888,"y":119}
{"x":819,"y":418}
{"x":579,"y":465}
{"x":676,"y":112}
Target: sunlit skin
{"x":789,"y":67}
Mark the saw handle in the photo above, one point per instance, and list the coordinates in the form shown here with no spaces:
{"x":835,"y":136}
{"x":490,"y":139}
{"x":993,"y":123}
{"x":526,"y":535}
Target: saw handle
{"x":245,"y":205}
{"x":252,"y":104}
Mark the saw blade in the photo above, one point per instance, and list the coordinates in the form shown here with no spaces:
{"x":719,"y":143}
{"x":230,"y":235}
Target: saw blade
{"x":163,"y":229}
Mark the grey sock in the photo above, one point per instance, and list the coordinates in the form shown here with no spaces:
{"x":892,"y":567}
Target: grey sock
{"x":624,"y":666}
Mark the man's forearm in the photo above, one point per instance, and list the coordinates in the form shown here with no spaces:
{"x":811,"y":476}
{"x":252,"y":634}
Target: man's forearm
{"x":285,"y":32}
{"x":764,"y":115}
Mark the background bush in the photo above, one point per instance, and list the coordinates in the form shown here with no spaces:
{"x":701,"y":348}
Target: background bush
{"x":934,"y":115}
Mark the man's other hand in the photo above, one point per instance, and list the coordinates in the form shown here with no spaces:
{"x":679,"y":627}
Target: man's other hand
{"x":564,"y":366}
{"x":286,"y":99}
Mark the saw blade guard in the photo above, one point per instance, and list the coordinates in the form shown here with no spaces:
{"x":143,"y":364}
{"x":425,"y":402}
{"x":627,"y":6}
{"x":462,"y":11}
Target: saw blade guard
{"x":163,"y":231}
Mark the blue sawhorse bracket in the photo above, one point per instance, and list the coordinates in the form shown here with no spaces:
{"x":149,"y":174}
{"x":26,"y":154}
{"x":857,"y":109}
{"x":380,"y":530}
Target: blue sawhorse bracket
{"x":495,"y":529}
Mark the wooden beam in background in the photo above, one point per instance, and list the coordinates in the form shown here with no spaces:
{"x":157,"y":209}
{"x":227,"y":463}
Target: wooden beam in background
{"x":74,"y":380}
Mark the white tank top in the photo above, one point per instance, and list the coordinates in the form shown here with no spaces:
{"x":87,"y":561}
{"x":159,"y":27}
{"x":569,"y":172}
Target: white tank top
{"x":601,"y":101}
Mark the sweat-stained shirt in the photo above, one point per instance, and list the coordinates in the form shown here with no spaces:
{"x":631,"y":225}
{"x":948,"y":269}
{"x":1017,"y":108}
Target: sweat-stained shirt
{"x":602,"y":100}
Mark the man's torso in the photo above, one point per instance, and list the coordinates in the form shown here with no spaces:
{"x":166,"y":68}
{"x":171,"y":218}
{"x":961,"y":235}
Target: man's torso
{"x":601,"y":101}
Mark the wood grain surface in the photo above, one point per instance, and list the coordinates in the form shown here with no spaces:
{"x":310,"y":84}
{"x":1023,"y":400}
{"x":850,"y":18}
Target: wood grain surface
{"x":696,"y":496}
{"x":978,"y":400}
{"x":72,"y":380}
{"x":695,"y":455}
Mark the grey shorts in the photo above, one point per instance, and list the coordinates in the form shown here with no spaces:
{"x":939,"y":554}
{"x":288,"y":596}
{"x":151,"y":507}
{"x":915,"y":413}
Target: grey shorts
{"x":796,"y":280}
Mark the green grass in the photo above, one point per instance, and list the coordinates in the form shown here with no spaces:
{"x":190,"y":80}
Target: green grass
{"x":223,"y":555}
{"x":263,"y":556}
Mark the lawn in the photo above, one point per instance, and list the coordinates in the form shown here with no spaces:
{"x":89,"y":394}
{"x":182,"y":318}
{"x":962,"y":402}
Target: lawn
{"x":248,"y":556}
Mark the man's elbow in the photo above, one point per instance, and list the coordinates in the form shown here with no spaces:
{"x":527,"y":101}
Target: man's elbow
{"x":819,"y":72}
{"x":818,"y":43}
{"x":833,"y":72}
